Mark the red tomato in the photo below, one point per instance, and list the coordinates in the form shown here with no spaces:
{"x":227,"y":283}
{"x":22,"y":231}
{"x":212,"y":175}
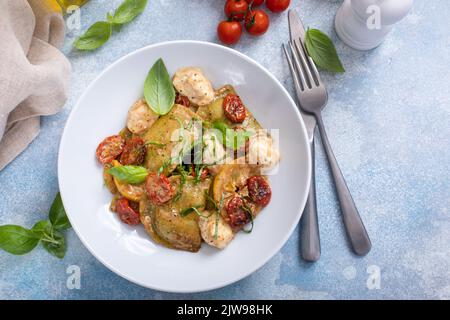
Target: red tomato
{"x":126,"y":213}
{"x":236,"y":9}
{"x":183,"y":100}
{"x":277,"y":5}
{"x":133,"y":152}
{"x":259,"y":190}
{"x":234,"y":109}
{"x":237,"y":217}
{"x":109,"y":149}
{"x":159,"y":189}
{"x":255,"y":3}
{"x":257,"y":22}
{"x":229,"y":32}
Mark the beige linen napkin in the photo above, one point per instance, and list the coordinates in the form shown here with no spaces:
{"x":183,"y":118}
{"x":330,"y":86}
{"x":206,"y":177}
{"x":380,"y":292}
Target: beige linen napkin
{"x":34,"y":74}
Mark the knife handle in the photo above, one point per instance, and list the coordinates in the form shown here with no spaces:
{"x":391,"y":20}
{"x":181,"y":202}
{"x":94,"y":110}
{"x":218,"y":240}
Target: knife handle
{"x":310,"y":239}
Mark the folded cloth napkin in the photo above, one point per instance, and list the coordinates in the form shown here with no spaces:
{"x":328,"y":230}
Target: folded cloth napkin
{"x":34,"y":74}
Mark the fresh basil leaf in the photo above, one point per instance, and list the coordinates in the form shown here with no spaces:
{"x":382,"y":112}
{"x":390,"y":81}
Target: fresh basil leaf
{"x":109,"y":17}
{"x":128,"y":10}
{"x":17,"y":240}
{"x":55,"y":244}
{"x":129,"y":174}
{"x":158,"y":89}
{"x":322,"y":51}
{"x":94,"y":37}
{"x":154,"y":143}
{"x":42,"y":227}
{"x":231,"y":138}
{"x":240,"y":137}
{"x":57,"y":214}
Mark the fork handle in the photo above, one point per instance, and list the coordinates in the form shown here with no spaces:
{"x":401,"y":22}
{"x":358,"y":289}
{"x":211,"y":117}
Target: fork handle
{"x":356,"y":231}
{"x":310,"y":240}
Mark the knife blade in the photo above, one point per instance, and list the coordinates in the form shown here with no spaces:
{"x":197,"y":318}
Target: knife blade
{"x":297,"y":34}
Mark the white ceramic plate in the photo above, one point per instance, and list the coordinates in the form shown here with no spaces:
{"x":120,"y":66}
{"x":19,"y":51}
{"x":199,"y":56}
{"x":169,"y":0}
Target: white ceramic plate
{"x":128,"y":251}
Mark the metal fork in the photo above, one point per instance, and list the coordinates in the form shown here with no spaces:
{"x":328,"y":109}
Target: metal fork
{"x":312,"y":96}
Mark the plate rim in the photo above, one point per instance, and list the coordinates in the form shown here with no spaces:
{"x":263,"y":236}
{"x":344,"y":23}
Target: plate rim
{"x":287,"y":235}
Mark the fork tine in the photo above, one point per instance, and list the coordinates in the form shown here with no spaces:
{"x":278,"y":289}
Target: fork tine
{"x":298,"y":67}
{"x":297,"y":84}
{"x":302,"y":57}
{"x":311,"y":64}
{"x":314,"y":71}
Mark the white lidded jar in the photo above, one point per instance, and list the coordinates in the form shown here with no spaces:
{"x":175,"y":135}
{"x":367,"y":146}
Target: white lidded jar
{"x":363,"y":24}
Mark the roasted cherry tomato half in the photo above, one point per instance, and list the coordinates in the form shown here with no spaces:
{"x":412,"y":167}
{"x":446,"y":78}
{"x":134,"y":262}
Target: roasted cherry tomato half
{"x":126,"y":213}
{"x":109,"y":149}
{"x":259,"y":190}
{"x":133,"y":152}
{"x":159,"y":189}
{"x":277,"y":5}
{"x":255,"y":3}
{"x":237,"y":217}
{"x":229,"y":32}
{"x":234,"y":109}
{"x":257,"y":22}
{"x":183,"y":100}
{"x":236,"y":9}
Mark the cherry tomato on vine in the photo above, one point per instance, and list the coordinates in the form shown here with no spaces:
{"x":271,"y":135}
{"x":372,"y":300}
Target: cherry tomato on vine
{"x":277,"y":5}
{"x":236,"y":9}
{"x":255,"y":3}
{"x":229,"y":32}
{"x":257,"y":22}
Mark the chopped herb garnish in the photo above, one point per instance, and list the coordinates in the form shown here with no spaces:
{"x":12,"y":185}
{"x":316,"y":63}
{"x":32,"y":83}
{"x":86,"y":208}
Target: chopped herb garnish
{"x":249,"y":213}
{"x":187,"y":211}
{"x":183,"y":176}
{"x":158,"y":144}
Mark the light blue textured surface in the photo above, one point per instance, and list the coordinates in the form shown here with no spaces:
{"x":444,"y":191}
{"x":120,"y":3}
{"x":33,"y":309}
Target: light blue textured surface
{"x":388,"y":119}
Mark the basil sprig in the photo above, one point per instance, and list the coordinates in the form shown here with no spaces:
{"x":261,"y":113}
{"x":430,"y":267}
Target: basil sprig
{"x":129,"y":174}
{"x":100,"y":32}
{"x":322,"y":51}
{"x":19,"y":240}
{"x":158,"y":89}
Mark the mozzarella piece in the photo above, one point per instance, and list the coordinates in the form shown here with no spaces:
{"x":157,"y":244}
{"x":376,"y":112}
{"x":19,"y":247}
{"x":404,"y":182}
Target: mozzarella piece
{"x":262,"y":152}
{"x":208,"y":228}
{"x":192,"y":83}
{"x":140,"y":117}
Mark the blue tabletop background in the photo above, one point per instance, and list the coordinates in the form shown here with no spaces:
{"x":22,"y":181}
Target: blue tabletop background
{"x":388,"y":119}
